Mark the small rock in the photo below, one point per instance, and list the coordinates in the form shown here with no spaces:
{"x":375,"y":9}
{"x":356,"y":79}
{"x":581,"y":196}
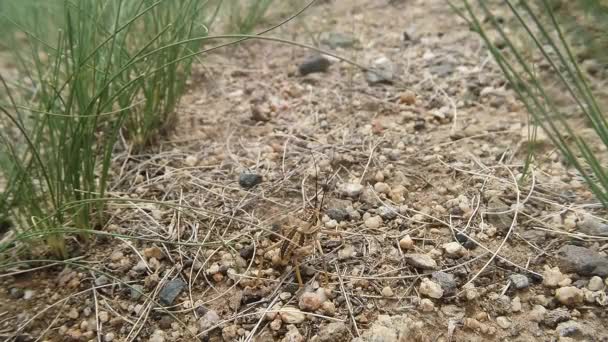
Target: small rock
{"x":421,"y":261}
{"x":102,"y":280}
{"x":157,"y":336}
{"x":328,"y":308}
{"x":16,"y":293}
{"x":116,"y":256}
{"x":291,"y":315}
{"x":552,"y":277}
{"x":387,"y":291}
{"x":210,"y":319}
{"x":293,"y":335}
{"x":382,"y":71}
{"x":153,"y":252}
{"x":247,"y":252}
{"x":140,"y":267}
{"x":310,"y":301}
{"x":171,"y":290}
{"x":431,"y":289}
{"x":382,"y":188}
{"x":248,"y":180}
{"x":569,"y":295}
{"x":334,"y":332}
{"x":583,"y":261}
{"x":553,"y":317}
{"x":568,"y":328}
{"x":453,"y":249}
{"x":230,"y":332}
{"x":109,"y":337}
{"x":338,"y":214}
{"x":28,"y":294}
{"x":446,"y":281}
{"x":537,"y":314}
{"x":591,"y":225}
{"x":465,"y":241}
{"x":284,"y":296}
{"x":519,"y":281}
{"x":73,"y":313}
{"x":503,"y":322}
{"x":407,"y":98}
{"x":352,"y":189}
{"x":346,"y":253}
{"x":406,"y":243}
{"x":373,"y":222}
{"x":136,"y":292}
{"x":388,"y":212}
{"x":595,"y":284}
{"x":318,"y":63}
{"x":104,"y":316}
{"x":516,"y":304}
{"x":426,"y":305}
{"x":191,"y":161}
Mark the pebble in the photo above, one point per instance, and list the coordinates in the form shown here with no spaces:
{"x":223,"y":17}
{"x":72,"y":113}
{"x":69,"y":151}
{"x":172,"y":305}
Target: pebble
{"x":191,"y":160}
{"x":104,"y":316}
{"x":595,"y":284}
{"x":157,"y":336}
{"x":590,"y":225}
{"x":109,"y":337}
{"x":333,"y":332}
{"x":537,"y":314}
{"x":310,"y":301}
{"x":136,"y":292}
{"x":337,"y":214}
{"x":554,"y":317}
{"x":210,"y":319}
{"x":339,"y":40}
{"x":247,"y":252}
{"x":503,"y":322}
{"x":116,"y":256}
{"x":426,"y":305}
{"x":583,"y":261}
{"x":293,"y":335}
{"x":16,"y":293}
{"x":382,"y":70}
{"x":346,"y":253}
{"x":516,"y":304}
{"x":453,"y":249}
{"x":569,"y":295}
{"x":553,"y":277}
{"x":568,"y":328}
{"x":314,"y":64}
{"x":388,"y":212}
{"x":284,"y":296}
{"x":248,"y":180}
{"x":406,"y":243}
{"x":431,"y":289}
{"x":102,"y":280}
{"x":446,"y":281}
{"x":519,"y":281}
{"x":171,"y":290}
{"x":387,"y":291}
{"x":328,"y":308}
{"x":153,"y":252}
{"x":352,"y":189}
{"x":291,"y":315}
{"x":382,"y":188}
{"x":28,"y":294}
{"x":165,"y":322}
{"x":422,"y":261}
{"x":230,"y":332}
{"x":373,"y":222}
{"x":73,"y":313}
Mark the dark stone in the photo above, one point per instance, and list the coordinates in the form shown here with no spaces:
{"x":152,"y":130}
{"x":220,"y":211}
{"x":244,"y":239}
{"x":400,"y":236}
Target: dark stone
{"x":419,"y":124}
{"x":554,"y":317}
{"x":337,"y":214}
{"x":247,"y":252}
{"x":314,"y":64}
{"x":465,"y":241}
{"x":248,"y":180}
{"x":171,"y":290}
{"x":251,"y":295}
{"x":581,"y":260}
{"x":446,"y":281}
{"x":16,"y":293}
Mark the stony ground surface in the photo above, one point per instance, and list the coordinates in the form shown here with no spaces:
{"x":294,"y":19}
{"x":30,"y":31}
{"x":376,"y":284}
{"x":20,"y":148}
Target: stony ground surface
{"x":427,"y":231}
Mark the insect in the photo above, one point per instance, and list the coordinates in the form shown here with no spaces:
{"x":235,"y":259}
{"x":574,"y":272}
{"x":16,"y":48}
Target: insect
{"x":302,"y":234}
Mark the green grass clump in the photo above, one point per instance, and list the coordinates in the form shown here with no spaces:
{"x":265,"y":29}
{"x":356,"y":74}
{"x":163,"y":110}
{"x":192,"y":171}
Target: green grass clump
{"x":520,"y":64}
{"x":88,"y":70}
{"x":244,"y":15}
